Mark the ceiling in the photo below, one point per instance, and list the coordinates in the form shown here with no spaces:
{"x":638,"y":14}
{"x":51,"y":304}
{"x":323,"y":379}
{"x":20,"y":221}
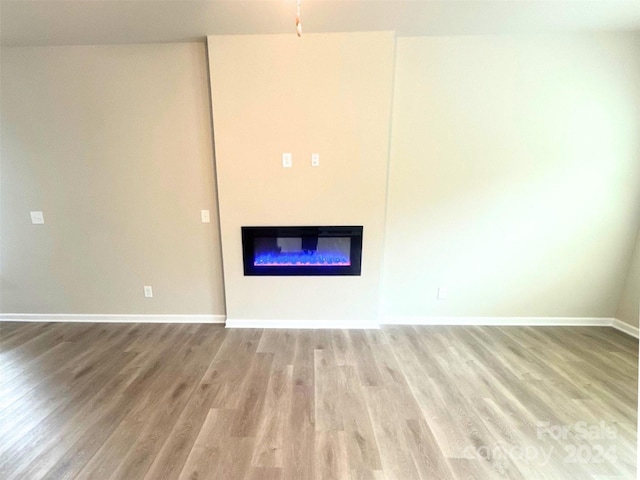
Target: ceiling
{"x":63,"y":22}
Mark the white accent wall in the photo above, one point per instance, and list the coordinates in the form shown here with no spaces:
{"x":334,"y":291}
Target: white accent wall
{"x":514,"y":175}
{"x":328,"y":94}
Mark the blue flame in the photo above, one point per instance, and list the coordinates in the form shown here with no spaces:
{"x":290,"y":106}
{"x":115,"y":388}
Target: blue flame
{"x":295,"y":259}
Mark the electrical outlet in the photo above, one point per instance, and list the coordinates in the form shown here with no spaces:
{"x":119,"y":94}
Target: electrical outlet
{"x":148,"y":291}
{"x":37,"y":218}
{"x":315,"y":159}
{"x":205,"y":216}
{"x":442,"y":293}
{"x":286,"y":160}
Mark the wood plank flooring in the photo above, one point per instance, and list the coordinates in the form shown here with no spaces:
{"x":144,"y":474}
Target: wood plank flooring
{"x":196,"y":402}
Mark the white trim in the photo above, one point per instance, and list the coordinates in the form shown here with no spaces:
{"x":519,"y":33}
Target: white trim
{"x":625,"y":327}
{"x":517,"y":321}
{"x":299,"y":324}
{"x":325,"y":324}
{"x":99,"y":318}
{"x":502,"y":321}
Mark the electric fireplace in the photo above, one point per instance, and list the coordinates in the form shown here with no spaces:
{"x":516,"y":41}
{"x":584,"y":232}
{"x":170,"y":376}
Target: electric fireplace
{"x":302,"y":250}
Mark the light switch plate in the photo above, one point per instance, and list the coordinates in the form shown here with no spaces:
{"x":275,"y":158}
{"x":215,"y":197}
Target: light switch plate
{"x":286,"y":160}
{"x":442,"y":293}
{"x":205,"y":216}
{"x":37,"y":218}
{"x":148,"y":291}
{"x":315,"y":159}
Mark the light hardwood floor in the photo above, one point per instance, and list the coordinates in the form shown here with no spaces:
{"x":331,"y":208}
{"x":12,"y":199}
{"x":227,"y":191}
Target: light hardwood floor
{"x":109,"y":401}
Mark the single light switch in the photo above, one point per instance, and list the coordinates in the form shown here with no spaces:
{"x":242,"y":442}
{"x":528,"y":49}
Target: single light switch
{"x":442,"y":293}
{"x":37,"y":218}
{"x":286,"y":160}
{"x":315,"y":159}
{"x":205,"y":216}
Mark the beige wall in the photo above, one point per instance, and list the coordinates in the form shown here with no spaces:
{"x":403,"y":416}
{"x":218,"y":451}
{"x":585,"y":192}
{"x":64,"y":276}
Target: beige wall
{"x":629,"y":306}
{"x":325,"y":93}
{"x":514,"y":175}
{"x":113,"y":143}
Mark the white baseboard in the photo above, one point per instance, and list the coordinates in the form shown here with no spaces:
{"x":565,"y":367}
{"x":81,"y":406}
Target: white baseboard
{"x":98,"y":318}
{"x":625,"y":327}
{"x":303,"y":324}
{"x":502,"y":321}
{"x":517,"y":321}
{"x":326,"y":324}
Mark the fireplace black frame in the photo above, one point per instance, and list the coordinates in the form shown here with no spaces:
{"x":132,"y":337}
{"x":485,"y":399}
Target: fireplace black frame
{"x":249,"y":234}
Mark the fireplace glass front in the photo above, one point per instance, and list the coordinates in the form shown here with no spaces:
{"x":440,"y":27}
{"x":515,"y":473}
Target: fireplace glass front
{"x":335,"y":250}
